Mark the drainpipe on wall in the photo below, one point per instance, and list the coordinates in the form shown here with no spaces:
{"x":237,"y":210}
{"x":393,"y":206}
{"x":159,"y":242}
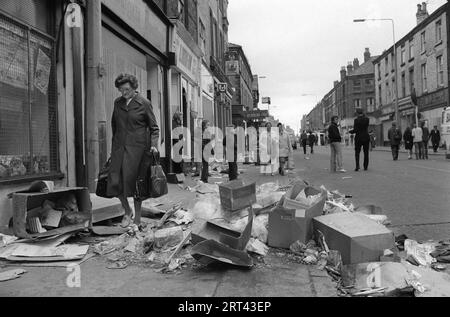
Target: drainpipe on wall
{"x":94,"y":100}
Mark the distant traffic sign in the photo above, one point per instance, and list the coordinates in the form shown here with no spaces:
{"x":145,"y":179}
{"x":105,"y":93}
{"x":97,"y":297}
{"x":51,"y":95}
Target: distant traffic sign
{"x":223,"y":87}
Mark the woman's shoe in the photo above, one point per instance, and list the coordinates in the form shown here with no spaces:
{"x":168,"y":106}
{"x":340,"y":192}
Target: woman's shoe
{"x":126,"y":221}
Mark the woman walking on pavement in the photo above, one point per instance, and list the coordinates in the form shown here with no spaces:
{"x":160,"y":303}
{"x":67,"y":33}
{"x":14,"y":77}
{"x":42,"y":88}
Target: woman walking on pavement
{"x":285,"y":148}
{"x":409,"y":142}
{"x":304,"y":141}
{"x":135,"y":131}
{"x":270,"y":166}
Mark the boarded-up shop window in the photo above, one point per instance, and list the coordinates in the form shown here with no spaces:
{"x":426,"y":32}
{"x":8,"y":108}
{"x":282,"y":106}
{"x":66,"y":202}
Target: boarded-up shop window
{"x":28,"y":118}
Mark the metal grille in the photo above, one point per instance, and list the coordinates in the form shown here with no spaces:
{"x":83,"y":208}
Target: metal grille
{"x":28,"y":117}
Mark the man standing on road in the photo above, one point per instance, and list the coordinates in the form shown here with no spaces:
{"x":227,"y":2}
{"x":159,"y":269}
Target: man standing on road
{"x":435,"y":137}
{"x":335,"y":145}
{"x":426,"y":139}
{"x":312,"y":141}
{"x":395,"y":136}
{"x":418,"y":141}
{"x":304,"y":141}
{"x":362,"y":138}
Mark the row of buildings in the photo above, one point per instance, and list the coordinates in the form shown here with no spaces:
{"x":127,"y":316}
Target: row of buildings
{"x":58,"y":63}
{"x":421,"y":77}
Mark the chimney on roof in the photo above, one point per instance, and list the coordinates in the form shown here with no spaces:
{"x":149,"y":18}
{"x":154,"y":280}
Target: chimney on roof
{"x":350,"y":68}
{"x":367,"y":55}
{"x":336,"y":82}
{"x":422,"y":12}
{"x":343,"y":73}
{"x":355,"y":64}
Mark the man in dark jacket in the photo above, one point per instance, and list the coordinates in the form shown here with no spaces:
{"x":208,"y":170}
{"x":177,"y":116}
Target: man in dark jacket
{"x":335,"y":145}
{"x":362,"y":138}
{"x":304,"y":141}
{"x":312,"y":141}
{"x":435,"y":137}
{"x":426,"y":139}
{"x":395,"y":136}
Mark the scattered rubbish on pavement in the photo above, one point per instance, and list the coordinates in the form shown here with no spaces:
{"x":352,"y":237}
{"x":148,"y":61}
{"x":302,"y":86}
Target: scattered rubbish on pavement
{"x":120,"y":265}
{"x":256,"y":246}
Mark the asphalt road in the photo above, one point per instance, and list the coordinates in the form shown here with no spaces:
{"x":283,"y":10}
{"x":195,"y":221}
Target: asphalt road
{"x":415,"y":195}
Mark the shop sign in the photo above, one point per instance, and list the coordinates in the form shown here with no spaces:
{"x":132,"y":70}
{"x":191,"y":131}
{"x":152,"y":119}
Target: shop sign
{"x":256,"y":114}
{"x":138,"y":15}
{"x":432,"y":100}
{"x":187,"y":60}
{"x":222,"y":87}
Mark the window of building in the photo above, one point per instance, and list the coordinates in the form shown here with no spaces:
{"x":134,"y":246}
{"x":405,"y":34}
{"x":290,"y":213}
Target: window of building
{"x":424,"y":77}
{"x":202,"y":35}
{"x":438,"y":31}
{"x":411,"y":49}
{"x":411,"y":81}
{"x":380,"y":99}
{"x":440,"y":70}
{"x":370,"y":103}
{"x":379,"y":71}
{"x":403,"y":55}
{"x":403,"y":85}
{"x":388,"y":93}
{"x":357,"y":103}
{"x":357,"y":85}
{"x":422,"y":42}
{"x":386,"y":65}
{"x":182,"y":9}
{"x":393,"y":61}
{"x":28,"y":108}
{"x":393,"y":89}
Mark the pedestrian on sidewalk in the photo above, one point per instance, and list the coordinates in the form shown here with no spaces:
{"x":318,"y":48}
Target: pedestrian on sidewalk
{"x":417,"y":134}
{"x":395,"y":137}
{"x":304,"y":140}
{"x":205,"y":159}
{"x":285,"y":148}
{"x":312,"y":141}
{"x":233,"y":171}
{"x":362,"y":138}
{"x":135,"y":131}
{"x":335,"y":146}
{"x":372,"y":140}
{"x":435,"y":137}
{"x":426,"y":139}
{"x":268,"y":168}
{"x":409,"y":141}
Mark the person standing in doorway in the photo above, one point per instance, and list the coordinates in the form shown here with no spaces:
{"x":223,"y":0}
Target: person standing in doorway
{"x":232,"y":165}
{"x":304,"y":141}
{"x":285,"y":148}
{"x":395,"y":137}
{"x":426,"y":139}
{"x":362,"y":138}
{"x":409,"y":141}
{"x":135,"y":131}
{"x":435,"y":137}
{"x":205,"y":158}
{"x":417,"y":134}
{"x":336,"y":147}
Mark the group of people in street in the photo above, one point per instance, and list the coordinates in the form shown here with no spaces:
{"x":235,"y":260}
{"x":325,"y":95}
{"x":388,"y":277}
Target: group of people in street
{"x":416,"y":138}
{"x":308,"y":138}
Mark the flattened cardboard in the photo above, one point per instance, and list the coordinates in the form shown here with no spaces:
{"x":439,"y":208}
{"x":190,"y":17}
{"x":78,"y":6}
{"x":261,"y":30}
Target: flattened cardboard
{"x":210,"y":251}
{"x":212,"y":231}
{"x":357,"y":237}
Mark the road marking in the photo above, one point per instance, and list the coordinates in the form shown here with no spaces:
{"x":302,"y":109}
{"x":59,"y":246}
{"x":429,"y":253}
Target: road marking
{"x":433,"y":169}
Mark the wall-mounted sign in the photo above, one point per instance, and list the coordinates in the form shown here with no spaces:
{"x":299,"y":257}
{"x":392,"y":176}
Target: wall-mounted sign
{"x":256,"y":114}
{"x":266,"y":100}
{"x":222,"y":87}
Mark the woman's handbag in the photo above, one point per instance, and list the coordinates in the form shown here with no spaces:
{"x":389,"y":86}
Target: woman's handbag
{"x":158,"y":180}
{"x":151,"y":181}
{"x":102,"y":181}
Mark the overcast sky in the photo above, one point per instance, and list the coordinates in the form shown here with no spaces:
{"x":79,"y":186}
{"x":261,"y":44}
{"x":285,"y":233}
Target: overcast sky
{"x":301,"y":45}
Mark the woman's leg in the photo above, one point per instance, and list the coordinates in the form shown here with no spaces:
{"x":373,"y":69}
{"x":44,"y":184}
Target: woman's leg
{"x":138,"y":212}
{"x":126,"y":221}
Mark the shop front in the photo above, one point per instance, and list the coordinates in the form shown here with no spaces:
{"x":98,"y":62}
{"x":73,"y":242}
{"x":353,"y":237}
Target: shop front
{"x":135,"y":39}
{"x":431,"y":107}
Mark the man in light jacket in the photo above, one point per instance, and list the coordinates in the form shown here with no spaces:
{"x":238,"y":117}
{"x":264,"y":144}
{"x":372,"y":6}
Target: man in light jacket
{"x":335,"y":145}
{"x":417,"y":134}
{"x":285,"y":148}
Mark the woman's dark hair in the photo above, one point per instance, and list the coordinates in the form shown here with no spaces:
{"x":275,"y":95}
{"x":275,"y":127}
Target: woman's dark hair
{"x":127,"y":78}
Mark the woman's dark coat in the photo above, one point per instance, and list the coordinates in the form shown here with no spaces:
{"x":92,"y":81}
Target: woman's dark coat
{"x":409,"y":139}
{"x":135,"y":130}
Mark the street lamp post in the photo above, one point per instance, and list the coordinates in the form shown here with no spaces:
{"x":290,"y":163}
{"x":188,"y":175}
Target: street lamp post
{"x":397,"y":115}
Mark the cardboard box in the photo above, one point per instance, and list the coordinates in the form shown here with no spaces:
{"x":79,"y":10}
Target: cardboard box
{"x":289,"y":201}
{"x":236,"y":196}
{"x":357,"y":237}
{"x":291,"y":221}
{"x":26,"y":201}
